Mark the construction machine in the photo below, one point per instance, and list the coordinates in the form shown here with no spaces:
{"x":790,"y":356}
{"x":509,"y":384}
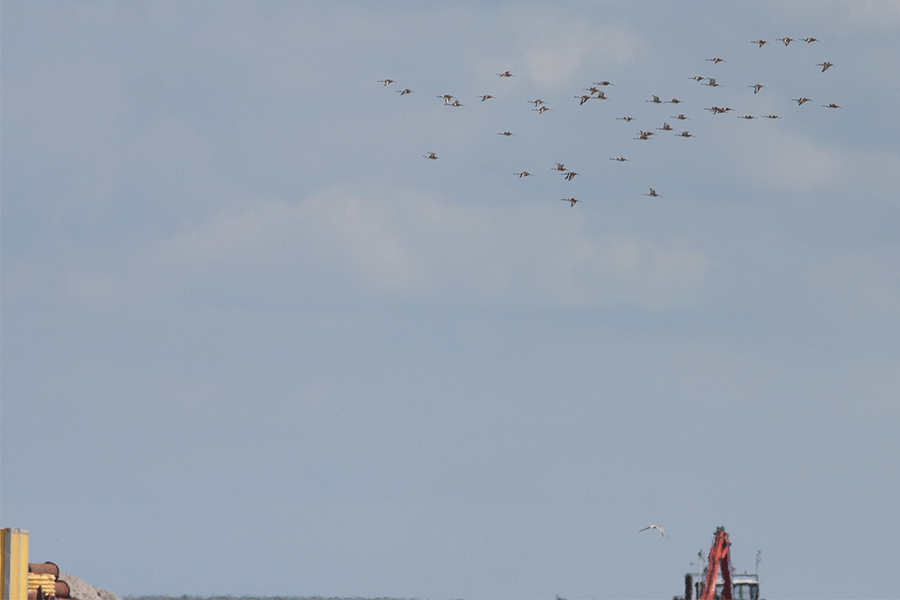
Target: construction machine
{"x":717,"y":581}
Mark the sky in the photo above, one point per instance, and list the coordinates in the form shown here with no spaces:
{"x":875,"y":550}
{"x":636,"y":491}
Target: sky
{"x":253,"y":342}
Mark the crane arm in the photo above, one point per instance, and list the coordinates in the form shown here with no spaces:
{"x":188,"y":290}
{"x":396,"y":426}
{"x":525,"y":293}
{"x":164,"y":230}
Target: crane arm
{"x":719,"y":561}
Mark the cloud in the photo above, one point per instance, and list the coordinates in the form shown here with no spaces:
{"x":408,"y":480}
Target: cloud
{"x":884,"y":13}
{"x":786,"y":161}
{"x":406,"y":245}
{"x":332,"y":235}
{"x":555,"y":47}
{"x":91,"y":290}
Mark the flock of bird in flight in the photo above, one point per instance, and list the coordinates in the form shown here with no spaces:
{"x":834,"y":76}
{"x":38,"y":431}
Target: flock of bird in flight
{"x":596,"y":92}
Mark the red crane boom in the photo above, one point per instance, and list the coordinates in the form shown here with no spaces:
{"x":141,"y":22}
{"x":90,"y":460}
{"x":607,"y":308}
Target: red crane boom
{"x":719,"y":561}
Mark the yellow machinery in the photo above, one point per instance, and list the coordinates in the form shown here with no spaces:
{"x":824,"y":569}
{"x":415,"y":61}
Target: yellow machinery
{"x":14,"y":563}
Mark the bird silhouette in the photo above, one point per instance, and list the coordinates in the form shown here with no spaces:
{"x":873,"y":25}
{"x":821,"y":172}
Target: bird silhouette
{"x":661,"y":532}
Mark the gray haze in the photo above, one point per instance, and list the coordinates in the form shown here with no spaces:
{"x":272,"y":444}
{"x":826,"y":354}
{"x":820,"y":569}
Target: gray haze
{"x":254,"y":343}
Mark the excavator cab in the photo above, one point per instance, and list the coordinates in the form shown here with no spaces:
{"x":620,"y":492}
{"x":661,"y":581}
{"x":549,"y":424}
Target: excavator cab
{"x":746,"y":586}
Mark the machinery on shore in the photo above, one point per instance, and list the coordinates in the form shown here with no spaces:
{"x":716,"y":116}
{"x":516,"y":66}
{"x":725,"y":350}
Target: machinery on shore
{"x":718,"y":581}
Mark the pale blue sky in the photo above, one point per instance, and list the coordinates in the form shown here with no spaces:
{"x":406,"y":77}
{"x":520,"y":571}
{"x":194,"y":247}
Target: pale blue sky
{"x":254,"y":343}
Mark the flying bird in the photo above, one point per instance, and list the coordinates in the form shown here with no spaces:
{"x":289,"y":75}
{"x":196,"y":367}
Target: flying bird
{"x":760,"y":42}
{"x":537,"y":102}
{"x":485,"y":97}
{"x":674,"y":101}
{"x":680,"y":117}
{"x":756,"y":87}
{"x":624,"y":118}
{"x":602,"y":83}
{"x":542,"y":109}
{"x":665,"y":127}
{"x":571,"y":201}
{"x":619,"y":158}
{"x":786,"y":40}
{"x":559,"y":167}
{"x":522,"y":174}
{"x":800,"y":100}
{"x":810,"y":40}
{"x":506,"y":133}
{"x":654,"y":195}
{"x":832,"y":105}
{"x":716,"y":60}
{"x":386,"y":81}
{"x":570,"y":175}
{"x":505,"y":74}
{"x":655,"y":100}
{"x":772,"y":116}
{"x":661,"y":532}
{"x":685,"y":134}
{"x":583,"y":99}
{"x":712,"y":82}
{"x":825,"y":65}
{"x":431,"y":155}
{"x":447,"y":98}
{"x":697,"y":78}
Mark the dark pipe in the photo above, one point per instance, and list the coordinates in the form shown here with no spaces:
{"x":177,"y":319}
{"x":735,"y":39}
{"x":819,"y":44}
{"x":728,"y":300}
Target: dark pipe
{"x":45,"y":568}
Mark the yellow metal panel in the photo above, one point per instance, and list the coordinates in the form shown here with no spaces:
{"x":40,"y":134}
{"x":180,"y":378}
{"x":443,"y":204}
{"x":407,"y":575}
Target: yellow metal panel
{"x":45,"y":581}
{"x":14,"y":545}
